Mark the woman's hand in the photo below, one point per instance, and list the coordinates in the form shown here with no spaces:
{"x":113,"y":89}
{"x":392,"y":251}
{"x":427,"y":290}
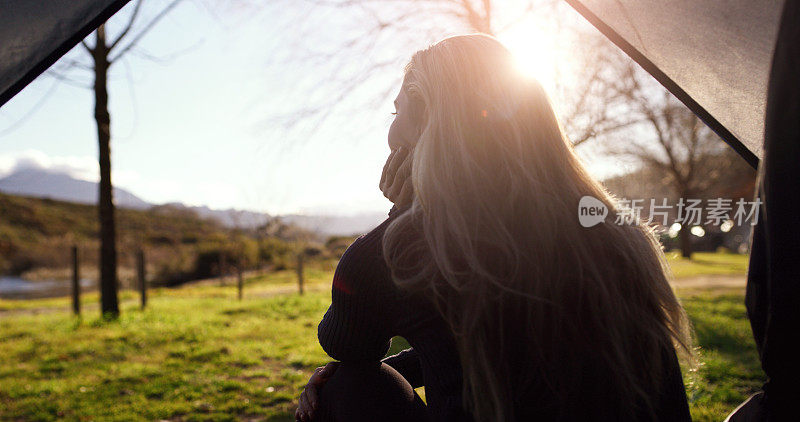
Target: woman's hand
{"x":396,"y":178}
{"x":309,"y":397}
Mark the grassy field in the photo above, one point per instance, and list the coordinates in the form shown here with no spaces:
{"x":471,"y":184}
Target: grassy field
{"x":196,"y":353}
{"x":707,"y":264}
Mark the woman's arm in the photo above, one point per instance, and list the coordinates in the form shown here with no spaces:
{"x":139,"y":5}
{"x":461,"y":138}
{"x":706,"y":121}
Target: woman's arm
{"x":407,"y":364}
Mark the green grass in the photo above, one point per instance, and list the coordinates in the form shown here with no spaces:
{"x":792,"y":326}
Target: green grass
{"x":185,"y":357}
{"x":707,"y":263}
{"x":728,"y":369}
{"x":196,"y":353}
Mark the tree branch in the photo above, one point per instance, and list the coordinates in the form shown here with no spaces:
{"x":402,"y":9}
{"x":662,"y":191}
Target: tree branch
{"x":128,"y":26}
{"x":86,"y":46}
{"x":591,"y":133}
{"x":66,"y":79}
{"x":144,"y":31}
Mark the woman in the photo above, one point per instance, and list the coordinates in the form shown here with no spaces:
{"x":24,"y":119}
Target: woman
{"x":514,"y":311}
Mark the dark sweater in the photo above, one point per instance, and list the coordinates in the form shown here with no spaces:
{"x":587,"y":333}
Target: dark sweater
{"x":367,"y":310}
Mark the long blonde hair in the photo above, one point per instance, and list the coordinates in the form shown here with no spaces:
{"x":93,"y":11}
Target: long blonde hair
{"x":499,"y":245}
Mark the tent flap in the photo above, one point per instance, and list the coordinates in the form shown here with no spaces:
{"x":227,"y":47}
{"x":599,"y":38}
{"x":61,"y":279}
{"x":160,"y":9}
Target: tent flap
{"x":34,"y":34}
{"x":713,"y":56}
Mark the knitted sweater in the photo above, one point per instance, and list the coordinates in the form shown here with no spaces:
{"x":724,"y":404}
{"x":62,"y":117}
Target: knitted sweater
{"x":367,"y":310}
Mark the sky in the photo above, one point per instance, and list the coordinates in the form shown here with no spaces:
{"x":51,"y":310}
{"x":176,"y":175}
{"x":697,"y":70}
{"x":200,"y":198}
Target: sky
{"x":195,"y":107}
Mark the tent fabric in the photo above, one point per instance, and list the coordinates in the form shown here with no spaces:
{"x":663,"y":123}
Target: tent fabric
{"x":773,"y":286}
{"x":714,"y":56}
{"x":34,"y":34}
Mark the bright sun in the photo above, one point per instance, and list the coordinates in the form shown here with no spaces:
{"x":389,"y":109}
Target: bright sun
{"x":535,"y":50}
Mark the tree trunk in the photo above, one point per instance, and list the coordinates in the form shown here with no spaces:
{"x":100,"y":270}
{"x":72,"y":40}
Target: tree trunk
{"x":109,"y":304}
{"x":223,"y":268}
{"x":684,"y":235}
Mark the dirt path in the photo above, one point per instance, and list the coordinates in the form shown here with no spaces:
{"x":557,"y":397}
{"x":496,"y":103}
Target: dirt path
{"x":711,"y":282}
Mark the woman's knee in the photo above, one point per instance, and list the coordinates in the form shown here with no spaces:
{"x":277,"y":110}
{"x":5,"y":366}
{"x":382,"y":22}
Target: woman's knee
{"x":368,"y":391}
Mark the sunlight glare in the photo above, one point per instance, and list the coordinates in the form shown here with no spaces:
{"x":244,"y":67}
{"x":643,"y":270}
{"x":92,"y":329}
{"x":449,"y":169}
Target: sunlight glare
{"x":534,"y":48}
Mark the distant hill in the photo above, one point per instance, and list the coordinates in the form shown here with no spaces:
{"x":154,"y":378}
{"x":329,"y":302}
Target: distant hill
{"x":38,"y":233}
{"x":228,"y":217}
{"x":337,"y":224}
{"x":41,"y":183}
{"x":46,"y":184}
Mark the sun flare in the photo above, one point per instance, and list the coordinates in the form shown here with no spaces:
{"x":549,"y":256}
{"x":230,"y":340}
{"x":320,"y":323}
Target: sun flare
{"x":535,"y":50}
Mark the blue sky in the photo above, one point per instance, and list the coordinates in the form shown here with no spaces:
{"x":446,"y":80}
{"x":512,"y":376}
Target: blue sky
{"x":196,"y":124}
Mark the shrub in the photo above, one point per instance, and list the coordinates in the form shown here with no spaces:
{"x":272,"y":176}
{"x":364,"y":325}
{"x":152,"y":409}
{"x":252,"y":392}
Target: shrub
{"x":336,"y":245}
{"x":274,"y":251}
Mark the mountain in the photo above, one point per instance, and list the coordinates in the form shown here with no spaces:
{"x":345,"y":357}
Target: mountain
{"x":324,"y":225}
{"x":331,"y":225}
{"x":41,"y":183}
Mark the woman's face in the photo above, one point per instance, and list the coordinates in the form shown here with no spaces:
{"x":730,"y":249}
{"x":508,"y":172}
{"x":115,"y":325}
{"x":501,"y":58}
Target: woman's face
{"x":403,"y":131}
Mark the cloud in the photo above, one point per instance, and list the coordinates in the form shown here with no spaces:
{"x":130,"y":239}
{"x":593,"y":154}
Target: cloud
{"x":84,"y":168}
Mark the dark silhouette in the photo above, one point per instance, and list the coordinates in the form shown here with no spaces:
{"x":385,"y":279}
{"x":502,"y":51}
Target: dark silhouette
{"x":514,"y":310}
{"x":773,"y":292}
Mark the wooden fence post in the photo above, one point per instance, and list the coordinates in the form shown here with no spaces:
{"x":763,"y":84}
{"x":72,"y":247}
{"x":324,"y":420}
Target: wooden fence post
{"x":76,"y":282}
{"x":300,"y":280}
{"x":222,"y":268}
{"x":239,"y":279}
{"x":140,"y":271}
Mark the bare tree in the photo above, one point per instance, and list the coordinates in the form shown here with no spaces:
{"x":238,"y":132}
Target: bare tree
{"x":299,"y":240}
{"x":668,"y":138}
{"x":595,"y":107}
{"x":589,"y":108}
{"x":238,"y":241}
{"x":106,"y":51}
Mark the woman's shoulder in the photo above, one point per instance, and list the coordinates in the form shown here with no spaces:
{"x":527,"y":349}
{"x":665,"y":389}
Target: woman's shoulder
{"x":367,"y":244}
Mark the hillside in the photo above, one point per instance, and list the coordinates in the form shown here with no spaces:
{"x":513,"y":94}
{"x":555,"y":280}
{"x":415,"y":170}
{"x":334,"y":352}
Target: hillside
{"x":57,"y":185}
{"x":48,"y":184}
{"x":36,"y":233}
